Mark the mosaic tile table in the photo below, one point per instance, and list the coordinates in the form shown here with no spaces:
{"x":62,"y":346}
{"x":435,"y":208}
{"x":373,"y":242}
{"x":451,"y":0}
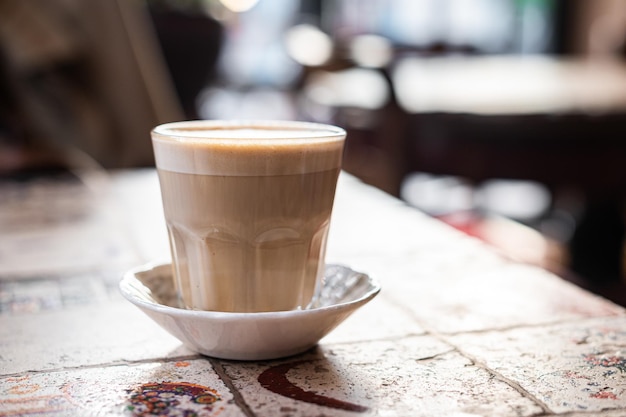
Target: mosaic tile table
{"x":458,"y":330}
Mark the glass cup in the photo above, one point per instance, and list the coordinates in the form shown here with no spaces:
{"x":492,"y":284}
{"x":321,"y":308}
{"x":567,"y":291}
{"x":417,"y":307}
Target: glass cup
{"x":247,"y":206}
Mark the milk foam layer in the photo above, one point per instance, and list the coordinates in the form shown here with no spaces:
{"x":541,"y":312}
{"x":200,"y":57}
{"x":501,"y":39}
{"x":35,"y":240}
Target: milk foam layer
{"x":247,"y":148}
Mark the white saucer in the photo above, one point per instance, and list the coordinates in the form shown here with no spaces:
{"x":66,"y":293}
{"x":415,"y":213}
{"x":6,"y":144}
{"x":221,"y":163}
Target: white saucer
{"x":248,"y":336}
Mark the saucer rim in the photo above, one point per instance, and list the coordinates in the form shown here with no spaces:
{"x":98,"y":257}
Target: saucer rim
{"x":227,"y":315}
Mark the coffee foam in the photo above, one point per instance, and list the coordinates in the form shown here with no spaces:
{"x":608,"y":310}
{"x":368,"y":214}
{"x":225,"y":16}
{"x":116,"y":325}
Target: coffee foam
{"x":247,"y":148}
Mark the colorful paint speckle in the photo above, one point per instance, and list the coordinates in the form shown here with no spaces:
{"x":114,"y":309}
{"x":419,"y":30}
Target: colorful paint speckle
{"x":606,"y":361}
{"x":173,"y":399}
{"x":138,"y":390}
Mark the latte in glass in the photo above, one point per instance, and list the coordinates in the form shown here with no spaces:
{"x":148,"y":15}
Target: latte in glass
{"x":247,"y":206}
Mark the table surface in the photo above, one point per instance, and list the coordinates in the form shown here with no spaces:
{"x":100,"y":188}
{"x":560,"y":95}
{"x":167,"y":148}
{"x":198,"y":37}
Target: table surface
{"x":457,"y":330}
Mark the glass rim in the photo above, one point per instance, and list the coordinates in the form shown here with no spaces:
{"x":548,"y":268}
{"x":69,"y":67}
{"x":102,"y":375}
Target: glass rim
{"x":189,"y":130}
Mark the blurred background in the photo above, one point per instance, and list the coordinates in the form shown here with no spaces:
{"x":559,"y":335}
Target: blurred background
{"x":504,"y":118}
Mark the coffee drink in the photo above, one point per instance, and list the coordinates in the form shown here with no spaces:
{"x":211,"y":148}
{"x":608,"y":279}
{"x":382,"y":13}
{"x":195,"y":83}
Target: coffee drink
{"x":247,"y":207}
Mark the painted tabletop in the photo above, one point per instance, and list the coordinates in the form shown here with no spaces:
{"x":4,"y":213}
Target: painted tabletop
{"x":457,"y":330}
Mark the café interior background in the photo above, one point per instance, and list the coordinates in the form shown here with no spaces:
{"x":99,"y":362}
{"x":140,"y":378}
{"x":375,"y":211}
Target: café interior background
{"x":83,"y":82}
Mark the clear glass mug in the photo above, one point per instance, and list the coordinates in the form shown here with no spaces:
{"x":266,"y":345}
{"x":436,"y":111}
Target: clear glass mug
{"x":247,"y":206}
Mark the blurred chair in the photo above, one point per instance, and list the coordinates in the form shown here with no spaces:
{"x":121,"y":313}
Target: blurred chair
{"x":191,"y":42}
{"x":83,"y":78}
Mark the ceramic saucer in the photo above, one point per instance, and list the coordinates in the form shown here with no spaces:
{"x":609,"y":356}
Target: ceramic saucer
{"x":248,"y":336}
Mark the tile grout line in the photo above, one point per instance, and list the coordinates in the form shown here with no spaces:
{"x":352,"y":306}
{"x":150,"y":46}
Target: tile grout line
{"x":513,"y":384}
{"x":442,"y":338}
{"x":479,"y":364}
{"x":237,"y":396}
{"x":105,"y":365}
{"x":215,"y":364}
